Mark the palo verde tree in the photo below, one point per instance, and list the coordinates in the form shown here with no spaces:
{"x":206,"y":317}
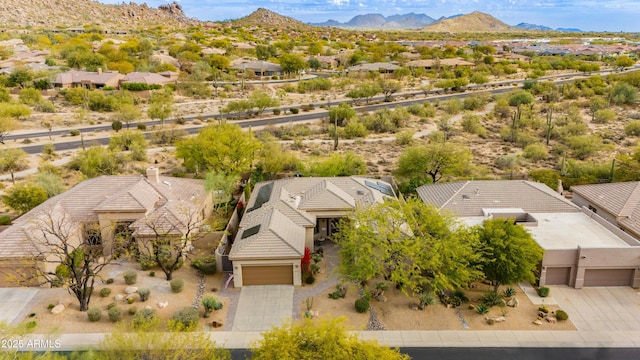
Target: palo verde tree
{"x":13,"y":160}
{"x":410,"y":244}
{"x":160,"y":105}
{"x":510,"y":254}
{"x":69,"y":259}
{"x":222,"y":149}
{"x":324,"y":339}
{"x":433,"y":160}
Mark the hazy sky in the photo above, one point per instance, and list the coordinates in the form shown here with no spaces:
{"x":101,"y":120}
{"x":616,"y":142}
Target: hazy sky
{"x":590,"y":15}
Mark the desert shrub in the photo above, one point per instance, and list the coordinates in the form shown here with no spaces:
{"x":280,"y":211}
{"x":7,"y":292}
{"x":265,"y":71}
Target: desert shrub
{"x":340,"y":293}
{"x":491,"y":298}
{"x":584,"y":145}
{"x":276,"y":111}
{"x":355,"y":129}
{"x":115,"y":314}
{"x":471,"y":124}
{"x":362,"y":305}
{"x":426,"y":299}
{"x":604,"y":116}
{"x":144,"y":294}
{"x":632,"y":128}
{"x":404,"y":137}
{"x":482,"y":309}
{"x":131,"y":300}
{"x":130,"y":277}
{"x":294,"y":110}
{"x":111,"y":305}
{"x":104,"y":292}
{"x":458,"y":297}
{"x":5,"y":220}
{"x":509,"y":292}
{"x":132,"y":310}
{"x":144,"y":318}
{"x":315,"y":268}
{"x":543,"y":291}
{"x":74,"y":132}
{"x":543,"y":309}
{"x":94,"y":314}
{"x":31,"y":325}
{"x":177,"y":285}
{"x":142,"y":126}
{"x":317,"y":257}
{"x":50,"y":306}
{"x":206,"y":264}
{"x":309,"y":279}
{"x":109,"y":281}
{"x":561,"y":315}
{"x":211,"y":303}
{"x":152,"y":273}
{"x":147,"y":262}
{"x":535,"y":152}
{"x":187,"y":316}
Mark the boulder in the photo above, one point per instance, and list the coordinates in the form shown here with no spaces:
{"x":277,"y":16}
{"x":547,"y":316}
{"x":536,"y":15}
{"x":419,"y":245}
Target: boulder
{"x":58,"y":309}
{"x":65,"y":302}
{"x":131,"y":290}
{"x":513,"y":302}
{"x":551,"y":319}
{"x":118,"y":297}
{"x":537,"y":322}
{"x":163,"y":304}
{"x":499,"y":319}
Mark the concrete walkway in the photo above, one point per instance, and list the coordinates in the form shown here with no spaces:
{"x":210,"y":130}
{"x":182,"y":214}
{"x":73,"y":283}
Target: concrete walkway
{"x":15,"y":303}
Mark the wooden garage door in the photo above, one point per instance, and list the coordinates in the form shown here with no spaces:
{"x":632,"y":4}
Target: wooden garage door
{"x":608,"y":277}
{"x":558,"y":276}
{"x":267,"y":275}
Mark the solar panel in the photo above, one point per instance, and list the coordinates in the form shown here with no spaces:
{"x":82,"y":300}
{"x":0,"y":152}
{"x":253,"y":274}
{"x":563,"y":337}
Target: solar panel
{"x":264,"y":194}
{"x":250,"y":232}
{"x":386,"y":188}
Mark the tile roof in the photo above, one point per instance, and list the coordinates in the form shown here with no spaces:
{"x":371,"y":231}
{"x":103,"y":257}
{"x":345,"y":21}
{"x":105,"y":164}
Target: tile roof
{"x":146,"y":78}
{"x":468,"y":198}
{"x":622,"y":200}
{"x":292,"y":202}
{"x":172,"y":199}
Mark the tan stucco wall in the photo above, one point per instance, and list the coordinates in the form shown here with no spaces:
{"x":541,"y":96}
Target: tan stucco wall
{"x":582,"y":202}
{"x":237,"y":269}
{"x":107,"y":222}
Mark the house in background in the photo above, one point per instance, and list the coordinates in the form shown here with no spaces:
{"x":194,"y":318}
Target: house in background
{"x":580,"y":247}
{"x":167,"y":77}
{"x":284,"y":216}
{"x":618,"y":203}
{"x":101,"y":210}
{"x":381,"y":67}
{"x":88,"y":79}
{"x":260,"y":68}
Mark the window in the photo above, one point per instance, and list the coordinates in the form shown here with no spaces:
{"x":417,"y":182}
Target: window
{"x":93,"y":237}
{"x":593,"y":209}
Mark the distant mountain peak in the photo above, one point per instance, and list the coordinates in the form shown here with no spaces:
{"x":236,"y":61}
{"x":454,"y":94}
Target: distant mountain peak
{"x":474,"y":22}
{"x":266,"y":17}
{"x":379,"y":21}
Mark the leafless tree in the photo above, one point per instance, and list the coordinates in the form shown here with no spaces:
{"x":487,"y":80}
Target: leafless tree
{"x":61,"y":241}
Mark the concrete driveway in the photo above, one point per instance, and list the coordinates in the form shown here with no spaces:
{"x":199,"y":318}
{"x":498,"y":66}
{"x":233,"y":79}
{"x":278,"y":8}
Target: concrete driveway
{"x":261,"y":307}
{"x":600,"y":308}
{"x":15,"y":303}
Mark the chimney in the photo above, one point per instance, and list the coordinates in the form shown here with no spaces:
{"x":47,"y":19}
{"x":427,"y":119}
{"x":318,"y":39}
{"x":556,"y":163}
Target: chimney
{"x":560,"y":189}
{"x":153,"y":175}
{"x":99,"y":71}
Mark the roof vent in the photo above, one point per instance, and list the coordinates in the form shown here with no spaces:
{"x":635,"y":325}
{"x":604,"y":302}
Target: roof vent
{"x":360,"y":192}
{"x":477,"y":191}
{"x":466,"y":197}
{"x":166,"y":183}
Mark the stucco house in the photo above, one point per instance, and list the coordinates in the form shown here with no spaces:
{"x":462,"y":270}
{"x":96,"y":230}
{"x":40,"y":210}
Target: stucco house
{"x":150,"y":78}
{"x":284,"y":216}
{"x":580,"y":247}
{"x":260,"y":68}
{"x":101,"y":210}
{"x":381,"y":67}
{"x":88,"y":79}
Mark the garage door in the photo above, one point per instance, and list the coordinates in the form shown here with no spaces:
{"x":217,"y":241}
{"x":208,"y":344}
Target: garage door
{"x":558,"y":276}
{"x":608,"y":277}
{"x":267,"y":275}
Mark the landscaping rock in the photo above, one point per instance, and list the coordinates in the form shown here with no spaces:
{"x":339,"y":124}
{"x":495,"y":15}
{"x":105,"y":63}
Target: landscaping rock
{"x":64,"y":302}
{"x":163,"y":304}
{"x":537,"y":322}
{"x":499,"y":319}
{"x":58,"y":309}
{"x":551,"y":319}
{"x":513,"y":302}
{"x":118,"y":297}
{"x":131,"y":290}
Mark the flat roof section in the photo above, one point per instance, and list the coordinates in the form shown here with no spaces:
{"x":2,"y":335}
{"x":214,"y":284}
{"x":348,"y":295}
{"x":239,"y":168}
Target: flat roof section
{"x":556,"y":231}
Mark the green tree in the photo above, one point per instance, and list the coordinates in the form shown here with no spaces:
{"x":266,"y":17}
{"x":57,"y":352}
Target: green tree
{"x":338,"y":115}
{"x":222,"y":149}
{"x":13,"y":160}
{"x":388,"y":88}
{"x":20,"y":77}
{"x":364,"y":91}
{"x":30,"y":96}
{"x":271,"y":159}
{"x":292,"y":63}
{"x":128,"y":113}
{"x":96,"y":161}
{"x":16,"y":111}
{"x":510,"y":254}
{"x":323,"y":339}
{"x":160,"y":105}
{"x":24,"y":197}
{"x":337,"y":165}
{"x":261,"y":100}
{"x":624,"y":94}
{"x":434,"y":160}
{"x":521,"y":98}
{"x":623,"y":62}
{"x":7,"y":125}
{"x":129,"y":140}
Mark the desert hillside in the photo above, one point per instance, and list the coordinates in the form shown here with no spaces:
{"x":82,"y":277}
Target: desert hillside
{"x":53,"y":13}
{"x":474,"y":22}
